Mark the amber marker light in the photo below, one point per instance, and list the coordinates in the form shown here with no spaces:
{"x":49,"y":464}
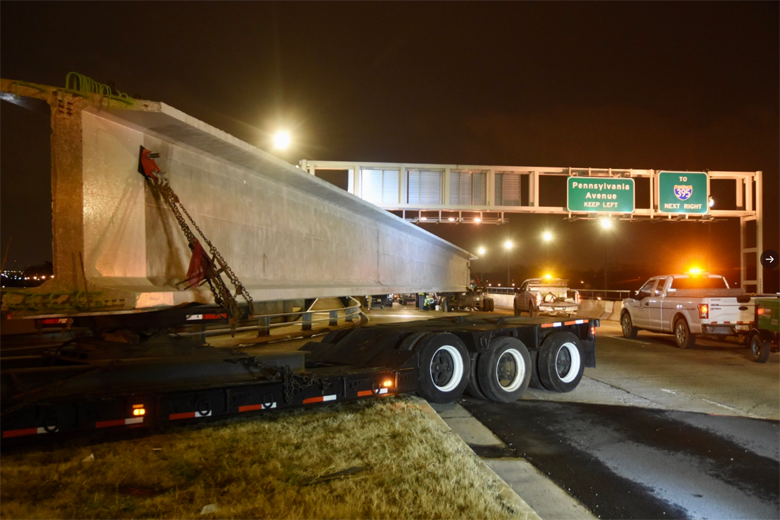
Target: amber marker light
{"x":139,"y":410}
{"x":387,"y":383}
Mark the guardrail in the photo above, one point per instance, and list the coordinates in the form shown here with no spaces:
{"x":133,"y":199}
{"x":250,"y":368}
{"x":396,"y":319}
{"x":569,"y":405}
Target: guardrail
{"x":605,"y":294}
{"x":307,"y":318}
{"x":592,"y":294}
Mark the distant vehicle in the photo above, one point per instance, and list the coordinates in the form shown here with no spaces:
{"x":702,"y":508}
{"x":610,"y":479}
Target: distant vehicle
{"x":688,"y":305}
{"x":765,"y":336}
{"x":546,"y":296}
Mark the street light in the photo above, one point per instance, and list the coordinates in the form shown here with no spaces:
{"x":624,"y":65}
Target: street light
{"x":481,"y":251}
{"x":606,"y":225}
{"x":508,"y":245}
{"x":547,"y":236}
{"x":282,"y":140}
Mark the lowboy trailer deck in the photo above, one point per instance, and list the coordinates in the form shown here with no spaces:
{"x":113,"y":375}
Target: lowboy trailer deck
{"x":492,"y":357}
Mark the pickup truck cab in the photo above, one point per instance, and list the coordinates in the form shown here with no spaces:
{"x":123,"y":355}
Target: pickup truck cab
{"x":546,"y":296}
{"x":688,"y":305}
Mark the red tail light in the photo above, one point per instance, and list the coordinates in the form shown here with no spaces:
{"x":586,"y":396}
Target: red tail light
{"x":578,"y":297}
{"x":760,"y":311}
{"x":704,"y":310}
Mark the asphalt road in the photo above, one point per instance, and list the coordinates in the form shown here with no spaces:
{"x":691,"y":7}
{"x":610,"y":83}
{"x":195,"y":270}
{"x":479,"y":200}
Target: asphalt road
{"x":655,"y":431}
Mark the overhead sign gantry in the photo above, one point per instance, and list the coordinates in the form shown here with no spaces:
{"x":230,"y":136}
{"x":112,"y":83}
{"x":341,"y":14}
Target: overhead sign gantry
{"x":485,"y":194}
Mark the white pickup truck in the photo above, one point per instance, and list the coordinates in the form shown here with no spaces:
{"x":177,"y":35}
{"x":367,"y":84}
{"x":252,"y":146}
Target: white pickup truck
{"x":688,"y":305}
{"x":546,"y":296}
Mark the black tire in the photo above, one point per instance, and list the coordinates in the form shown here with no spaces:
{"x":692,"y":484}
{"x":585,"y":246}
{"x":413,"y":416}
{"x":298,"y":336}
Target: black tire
{"x":514,"y":304}
{"x":532,"y":312}
{"x":491,"y":304}
{"x":759,"y":348}
{"x":560,"y":362}
{"x":504,"y":370}
{"x":535,"y":382}
{"x":473,"y":388}
{"x":682,"y":334}
{"x":629,"y":331}
{"x":444,"y":368}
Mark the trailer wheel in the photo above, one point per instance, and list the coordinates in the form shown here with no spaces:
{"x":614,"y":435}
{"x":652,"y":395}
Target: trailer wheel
{"x":682,"y":334}
{"x":444,"y":368}
{"x":759,"y":348}
{"x":473,"y":387}
{"x":560,"y":362}
{"x":534,"y":381}
{"x":504,"y":370}
{"x":629,"y":331}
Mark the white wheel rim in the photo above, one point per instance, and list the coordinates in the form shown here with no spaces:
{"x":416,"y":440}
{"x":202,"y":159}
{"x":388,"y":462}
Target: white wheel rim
{"x":574,"y":367}
{"x":457,"y":368}
{"x":519,"y":376}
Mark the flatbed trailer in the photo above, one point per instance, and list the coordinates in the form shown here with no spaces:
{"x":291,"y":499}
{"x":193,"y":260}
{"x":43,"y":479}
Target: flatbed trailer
{"x":492,"y":357}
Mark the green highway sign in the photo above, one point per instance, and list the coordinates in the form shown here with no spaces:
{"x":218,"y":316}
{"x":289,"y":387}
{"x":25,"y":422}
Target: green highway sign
{"x":600,"y":194}
{"x":683,"y":192}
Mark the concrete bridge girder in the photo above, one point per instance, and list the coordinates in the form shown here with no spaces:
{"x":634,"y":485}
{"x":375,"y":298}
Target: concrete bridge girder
{"x":285,"y":233}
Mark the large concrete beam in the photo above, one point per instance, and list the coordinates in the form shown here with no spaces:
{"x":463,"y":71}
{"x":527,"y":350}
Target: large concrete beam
{"x":285,"y":233}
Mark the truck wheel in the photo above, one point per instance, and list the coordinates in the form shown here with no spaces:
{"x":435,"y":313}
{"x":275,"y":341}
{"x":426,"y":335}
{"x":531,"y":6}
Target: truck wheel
{"x":532,"y":310}
{"x":514,"y":305}
{"x":444,"y":368}
{"x":682,"y":334}
{"x":535,"y":382}
{"x":473,"y":387}
{"x":759,"y":348}
{"x":504,"y":370}
{"x":560,"y":362}
{"x":629,"y":331}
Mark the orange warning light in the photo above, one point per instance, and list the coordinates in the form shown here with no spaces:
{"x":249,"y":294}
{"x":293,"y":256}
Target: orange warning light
{"x":139,"y":410}
{"x":387,"y":383}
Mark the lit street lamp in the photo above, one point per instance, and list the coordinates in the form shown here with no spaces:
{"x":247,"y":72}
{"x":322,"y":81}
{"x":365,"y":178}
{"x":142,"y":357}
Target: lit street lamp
{"x":508,"y":245}
{"x":282,"y":140}
{"x":606,"y":225}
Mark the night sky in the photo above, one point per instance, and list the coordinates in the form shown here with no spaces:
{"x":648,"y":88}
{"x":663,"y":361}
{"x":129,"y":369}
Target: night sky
{"x":677,"y":86}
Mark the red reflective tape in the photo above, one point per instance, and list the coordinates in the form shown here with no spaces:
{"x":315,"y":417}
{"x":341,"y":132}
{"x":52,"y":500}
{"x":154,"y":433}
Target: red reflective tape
{"x":108,"y":424}
{"x":185,"y":415}
{"x":250,"y":408}
{"x":547,"y":325}
{"x":20,"y":433}
{"x":570,"y":322}
{"x":365,"y":393}
{"x":314,"y":400}
{"x":214,"y":316}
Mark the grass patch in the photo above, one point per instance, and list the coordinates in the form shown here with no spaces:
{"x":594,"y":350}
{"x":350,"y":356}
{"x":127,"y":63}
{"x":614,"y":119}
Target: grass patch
{"x":380,"y":458}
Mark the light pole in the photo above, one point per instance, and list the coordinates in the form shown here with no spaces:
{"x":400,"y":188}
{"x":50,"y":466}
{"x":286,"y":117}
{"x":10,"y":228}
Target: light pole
{"x":606,"y":225}
{"x":508,"y":245}
{"x":481,"y":252}
{"x":547,"y":238}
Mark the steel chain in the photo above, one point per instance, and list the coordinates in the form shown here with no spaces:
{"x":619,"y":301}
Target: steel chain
{"x":222,"y":296}
{"x":292,"y":384}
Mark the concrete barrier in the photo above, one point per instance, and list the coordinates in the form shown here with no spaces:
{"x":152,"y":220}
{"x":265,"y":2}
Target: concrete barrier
{"x":606,"y":310}
{"x":616,"y":309}
{"x":590,"y":309}
{"x":503,"y":301}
